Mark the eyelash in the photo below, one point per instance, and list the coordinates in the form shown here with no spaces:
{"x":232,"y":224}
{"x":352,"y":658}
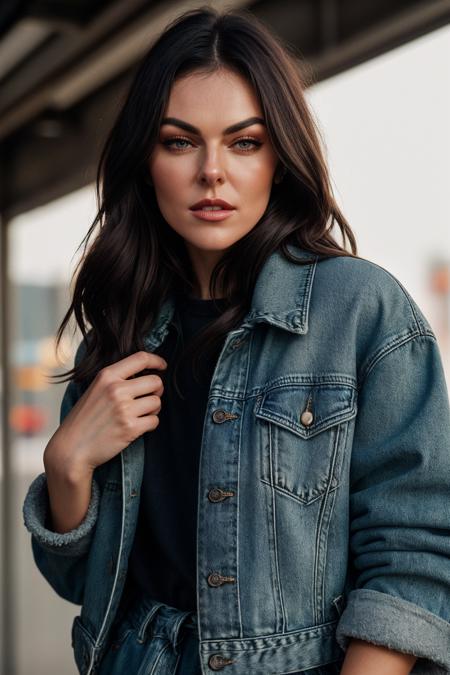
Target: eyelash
{"x":169,"y":141}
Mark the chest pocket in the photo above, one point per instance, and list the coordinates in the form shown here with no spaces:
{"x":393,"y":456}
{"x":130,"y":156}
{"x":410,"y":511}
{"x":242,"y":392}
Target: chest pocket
{"x":303,"y":431}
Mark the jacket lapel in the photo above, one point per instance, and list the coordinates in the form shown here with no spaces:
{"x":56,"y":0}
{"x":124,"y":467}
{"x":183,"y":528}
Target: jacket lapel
{"x":281,"y":297}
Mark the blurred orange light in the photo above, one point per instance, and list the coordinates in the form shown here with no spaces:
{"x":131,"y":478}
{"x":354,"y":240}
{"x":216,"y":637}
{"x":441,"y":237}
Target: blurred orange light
{"x":30,"y":378}
{"x":440,"y":280}
{"x":28,"y":419}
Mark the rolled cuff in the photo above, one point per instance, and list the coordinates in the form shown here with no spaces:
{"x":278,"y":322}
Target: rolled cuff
{"x":36,"y":517}
{"x":397,"y":624}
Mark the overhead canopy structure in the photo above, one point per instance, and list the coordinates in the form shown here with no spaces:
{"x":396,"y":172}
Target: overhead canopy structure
{"x":65,"y":65}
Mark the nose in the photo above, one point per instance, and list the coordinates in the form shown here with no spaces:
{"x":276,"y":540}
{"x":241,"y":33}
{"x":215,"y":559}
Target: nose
{"x":212,"y":171}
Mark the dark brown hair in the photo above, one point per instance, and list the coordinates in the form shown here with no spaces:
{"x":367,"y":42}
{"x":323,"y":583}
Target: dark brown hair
{"x":136,"y":258}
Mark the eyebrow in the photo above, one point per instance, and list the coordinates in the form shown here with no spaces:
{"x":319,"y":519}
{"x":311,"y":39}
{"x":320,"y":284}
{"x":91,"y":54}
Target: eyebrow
{"x":229,"y":130}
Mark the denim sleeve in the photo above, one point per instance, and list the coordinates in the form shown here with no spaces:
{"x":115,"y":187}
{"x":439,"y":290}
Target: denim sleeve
{"x":37,"y":519}
{"x":60,"y":557}
{"x":400,"y":507}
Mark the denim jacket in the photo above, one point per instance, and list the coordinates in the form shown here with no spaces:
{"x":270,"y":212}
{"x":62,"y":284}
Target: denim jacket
{"x":324,"y":484}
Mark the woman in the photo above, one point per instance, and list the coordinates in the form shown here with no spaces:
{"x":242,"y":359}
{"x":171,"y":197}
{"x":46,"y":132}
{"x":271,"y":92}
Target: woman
{"x":252,"y":468}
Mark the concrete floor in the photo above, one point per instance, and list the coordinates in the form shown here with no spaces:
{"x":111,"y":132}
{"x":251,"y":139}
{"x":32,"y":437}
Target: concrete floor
{"x":43,"y":621}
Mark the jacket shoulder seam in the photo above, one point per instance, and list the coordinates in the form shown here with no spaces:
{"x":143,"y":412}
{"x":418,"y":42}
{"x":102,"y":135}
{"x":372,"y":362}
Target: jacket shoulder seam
{"x":421,"y":328}
{"x":392,"y":345}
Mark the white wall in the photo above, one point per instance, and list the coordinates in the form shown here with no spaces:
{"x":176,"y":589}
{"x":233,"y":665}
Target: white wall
{"x":387,"y":136}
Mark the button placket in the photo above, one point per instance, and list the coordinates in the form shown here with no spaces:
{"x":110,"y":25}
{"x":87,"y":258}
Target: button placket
{"x":215,"y":495}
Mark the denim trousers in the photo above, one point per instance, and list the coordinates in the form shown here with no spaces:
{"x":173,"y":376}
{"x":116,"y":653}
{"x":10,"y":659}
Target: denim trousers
{"x":153,"y":638}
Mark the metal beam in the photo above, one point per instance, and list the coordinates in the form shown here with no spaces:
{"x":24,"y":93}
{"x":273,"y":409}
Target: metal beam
{"x":400,"y":28}
{"x":70,"y":116}
{"x":122,"y":50}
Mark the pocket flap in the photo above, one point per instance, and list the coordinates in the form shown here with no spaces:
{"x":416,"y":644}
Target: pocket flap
{"x":328,"y":403}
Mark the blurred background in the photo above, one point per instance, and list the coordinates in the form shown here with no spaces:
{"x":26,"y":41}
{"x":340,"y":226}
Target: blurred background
{"x":381,"y":95}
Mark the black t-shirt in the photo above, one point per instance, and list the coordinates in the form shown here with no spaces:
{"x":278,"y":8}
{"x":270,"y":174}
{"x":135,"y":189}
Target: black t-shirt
{"x":162,"y":563}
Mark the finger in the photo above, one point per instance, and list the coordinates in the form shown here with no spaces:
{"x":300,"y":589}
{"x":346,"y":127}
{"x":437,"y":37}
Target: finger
{"x":147,"y":405}
{"x":146,"y":423}
{"x":142,"y":386}
{"x":130,"y":365}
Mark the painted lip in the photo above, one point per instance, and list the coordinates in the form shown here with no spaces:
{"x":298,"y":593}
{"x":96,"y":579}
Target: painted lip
{"x":211,"y":202}
{"x":212,"y":215}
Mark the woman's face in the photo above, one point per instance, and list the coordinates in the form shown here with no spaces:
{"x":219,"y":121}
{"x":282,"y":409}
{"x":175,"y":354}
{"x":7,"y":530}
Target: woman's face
{"x":236,"y":166}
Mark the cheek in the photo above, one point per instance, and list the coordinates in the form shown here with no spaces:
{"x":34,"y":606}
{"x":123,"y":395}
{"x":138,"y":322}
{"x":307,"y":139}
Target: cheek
{"x":167,"y":175}
{"x":259,"y":173}
{"x":256,"y":187}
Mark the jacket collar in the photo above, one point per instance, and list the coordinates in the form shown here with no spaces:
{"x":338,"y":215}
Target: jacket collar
{"x":282,"y":292}
{"x":281,"y":297}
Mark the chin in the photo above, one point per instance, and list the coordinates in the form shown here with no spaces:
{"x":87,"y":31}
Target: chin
{"x":211,"y":243}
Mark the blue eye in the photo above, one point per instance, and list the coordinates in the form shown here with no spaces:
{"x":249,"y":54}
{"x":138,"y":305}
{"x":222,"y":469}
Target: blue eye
{"x":249,"y":140}
{"x":170,"y":143}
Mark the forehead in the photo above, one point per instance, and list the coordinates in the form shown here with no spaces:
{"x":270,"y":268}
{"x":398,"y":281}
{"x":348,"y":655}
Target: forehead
{"x":212,"y":100}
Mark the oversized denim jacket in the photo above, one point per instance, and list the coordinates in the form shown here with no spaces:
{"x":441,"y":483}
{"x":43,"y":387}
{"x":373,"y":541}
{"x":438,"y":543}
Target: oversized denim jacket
{"x":324,"y":484}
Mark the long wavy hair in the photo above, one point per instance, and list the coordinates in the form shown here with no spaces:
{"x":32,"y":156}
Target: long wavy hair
{"x":136,"y":258}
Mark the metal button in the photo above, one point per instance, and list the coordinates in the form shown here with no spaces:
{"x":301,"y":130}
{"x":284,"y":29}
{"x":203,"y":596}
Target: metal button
{"x":219,"y":416}
{"x":237,"y":343}
{"x":217,"y":661}
{"x":215,"y":495}
{"x":307,"y":418}
{"x":218,"y":495}
{"x":215,"y":579}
